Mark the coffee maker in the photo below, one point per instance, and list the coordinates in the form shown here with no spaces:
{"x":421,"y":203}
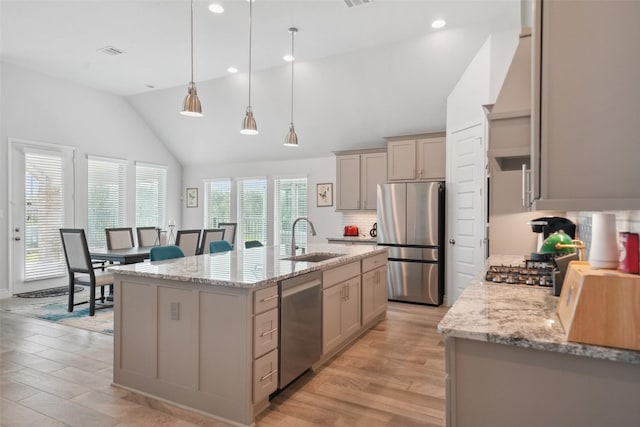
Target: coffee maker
{"x":547,"y":225}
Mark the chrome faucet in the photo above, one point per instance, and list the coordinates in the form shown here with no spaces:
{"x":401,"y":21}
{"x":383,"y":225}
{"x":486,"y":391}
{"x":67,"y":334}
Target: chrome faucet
{"x":293,"y":233}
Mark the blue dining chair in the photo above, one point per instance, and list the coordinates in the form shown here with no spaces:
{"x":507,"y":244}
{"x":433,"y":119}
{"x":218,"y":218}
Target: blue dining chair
{"x":252,"y":244}
{"x":158,"y":253}
{"x":220,"y":246}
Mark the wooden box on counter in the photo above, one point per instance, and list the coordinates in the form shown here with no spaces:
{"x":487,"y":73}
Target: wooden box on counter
{"x":600,"y":307}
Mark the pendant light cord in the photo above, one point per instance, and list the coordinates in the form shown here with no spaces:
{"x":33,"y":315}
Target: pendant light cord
{"x":192,"y":41}
{"x":292,"y":62}
{"x":250,"y":34}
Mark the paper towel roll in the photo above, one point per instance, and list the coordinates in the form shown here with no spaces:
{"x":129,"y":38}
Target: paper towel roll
{"x":604,"y":241}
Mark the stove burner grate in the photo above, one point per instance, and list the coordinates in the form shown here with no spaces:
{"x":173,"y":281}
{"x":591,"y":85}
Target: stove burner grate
{"x":533,"y":273}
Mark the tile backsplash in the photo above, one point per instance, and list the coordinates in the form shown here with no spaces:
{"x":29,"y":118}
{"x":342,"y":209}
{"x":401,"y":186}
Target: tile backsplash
{"x":625,"y":221}
{"x":363,"y":220}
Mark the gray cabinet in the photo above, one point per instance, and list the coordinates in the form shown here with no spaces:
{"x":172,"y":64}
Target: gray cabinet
{"x":416,"y":157}
{"x":585,"y":148}
{"x":357,"y":177}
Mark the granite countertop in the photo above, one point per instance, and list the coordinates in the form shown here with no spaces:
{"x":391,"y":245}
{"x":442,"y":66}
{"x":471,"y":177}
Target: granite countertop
{"x":518,"y":315}
{"x":246,"y":268}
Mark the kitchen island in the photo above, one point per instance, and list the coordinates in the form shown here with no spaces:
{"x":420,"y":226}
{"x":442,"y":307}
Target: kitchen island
{"x":508,"y":363}
{"x":202,"y":332}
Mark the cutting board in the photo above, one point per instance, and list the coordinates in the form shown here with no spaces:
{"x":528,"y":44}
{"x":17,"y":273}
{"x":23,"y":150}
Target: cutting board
{"x":601,"y":307}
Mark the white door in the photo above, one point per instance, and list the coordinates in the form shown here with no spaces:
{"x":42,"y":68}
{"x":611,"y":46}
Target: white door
{"x":41,"y":200}
{"x":466,"y":218}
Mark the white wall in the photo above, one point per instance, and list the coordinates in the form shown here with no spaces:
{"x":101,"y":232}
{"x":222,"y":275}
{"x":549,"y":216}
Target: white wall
{"x":39,"y":108}
{"x":326,"y":220}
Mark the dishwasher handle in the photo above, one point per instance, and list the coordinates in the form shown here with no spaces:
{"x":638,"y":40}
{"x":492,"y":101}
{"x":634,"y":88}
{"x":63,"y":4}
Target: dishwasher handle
{"x":300,"y":288}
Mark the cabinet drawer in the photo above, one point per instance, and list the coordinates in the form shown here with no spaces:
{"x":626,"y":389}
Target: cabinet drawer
{"x":265,"y":376}
{"x":340,"y":274}
{"x":374,"y":262}
{"x":265,"y":332}
{"x":265,"y":299}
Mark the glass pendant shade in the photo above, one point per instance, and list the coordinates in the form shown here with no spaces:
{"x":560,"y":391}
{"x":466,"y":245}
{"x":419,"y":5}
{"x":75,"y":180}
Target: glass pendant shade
{"x":249,"y":126}
{"x":291,"y":140}
{"x":192,"y":107}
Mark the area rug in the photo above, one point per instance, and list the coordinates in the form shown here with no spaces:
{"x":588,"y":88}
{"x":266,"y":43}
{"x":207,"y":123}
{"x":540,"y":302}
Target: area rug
{"x":56,"y":311}
{"x":51,"y":292}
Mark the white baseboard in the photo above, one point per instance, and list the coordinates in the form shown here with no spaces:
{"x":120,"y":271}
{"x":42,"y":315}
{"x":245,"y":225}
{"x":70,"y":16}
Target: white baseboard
{"x":5,"y":293}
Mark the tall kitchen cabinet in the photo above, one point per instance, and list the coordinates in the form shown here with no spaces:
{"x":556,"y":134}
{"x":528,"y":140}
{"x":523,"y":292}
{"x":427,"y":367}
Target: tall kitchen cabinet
{"x":358,"y":174}
{"x":416,"y":157}
{"x":585,"y":146}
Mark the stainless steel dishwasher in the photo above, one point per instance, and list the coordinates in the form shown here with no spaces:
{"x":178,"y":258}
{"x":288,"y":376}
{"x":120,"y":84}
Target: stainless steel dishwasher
{"x":300,"y":325}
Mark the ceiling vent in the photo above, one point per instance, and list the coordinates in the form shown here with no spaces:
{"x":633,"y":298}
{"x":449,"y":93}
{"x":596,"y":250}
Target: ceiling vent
{"x":352,"y":3}
{"x":111,"y":51}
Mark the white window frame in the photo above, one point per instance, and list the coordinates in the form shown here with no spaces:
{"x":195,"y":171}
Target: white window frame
{"x":162,"y":195}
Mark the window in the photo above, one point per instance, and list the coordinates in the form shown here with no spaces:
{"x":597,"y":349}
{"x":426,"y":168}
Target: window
{"x":44,"y":216}
{"x":252,"y":210}
{"x":151,"y":195}
{"x":290,"y":203}
{"x":217,"y":202}
{"x":106,"y":198}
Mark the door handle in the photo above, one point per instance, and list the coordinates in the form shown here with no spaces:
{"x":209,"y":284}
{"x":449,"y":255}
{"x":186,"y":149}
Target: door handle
{"x":452,"y":242}
{"x":16,"y":239}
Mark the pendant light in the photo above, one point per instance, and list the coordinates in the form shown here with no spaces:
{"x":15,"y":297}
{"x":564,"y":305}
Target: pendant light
{"x":192,"y":107}
{"x":249,"y":126}
{"x":291,"y":140}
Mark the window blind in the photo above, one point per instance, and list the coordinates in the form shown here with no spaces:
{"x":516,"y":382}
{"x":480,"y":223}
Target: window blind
{"x":106,"y":198}
{"x":44,"y":216}
{"x":252,"y":209}
{"x":290,"y":203}
{"x":151,"y":195}
{"x":217,"y":202}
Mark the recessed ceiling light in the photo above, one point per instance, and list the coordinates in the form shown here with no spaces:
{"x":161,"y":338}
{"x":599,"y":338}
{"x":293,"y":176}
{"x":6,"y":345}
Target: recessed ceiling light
{"x":216,"y":8}
{"x":438,"y":23}
{"x":151,"y":86}
{"x":288,"y":58}
{"x":232,"y":69}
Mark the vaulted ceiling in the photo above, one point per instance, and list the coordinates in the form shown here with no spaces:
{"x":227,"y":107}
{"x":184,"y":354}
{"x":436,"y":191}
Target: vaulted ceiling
{"x":362,"y":72}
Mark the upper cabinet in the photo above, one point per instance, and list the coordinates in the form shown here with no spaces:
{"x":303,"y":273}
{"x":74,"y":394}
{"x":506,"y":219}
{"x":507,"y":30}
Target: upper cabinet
{"x":585,"y":147}
{"x":357,"y":177}
{"x":416,"y":157}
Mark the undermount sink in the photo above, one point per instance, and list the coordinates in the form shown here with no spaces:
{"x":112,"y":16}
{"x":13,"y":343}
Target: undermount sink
{"x":313,"y":257}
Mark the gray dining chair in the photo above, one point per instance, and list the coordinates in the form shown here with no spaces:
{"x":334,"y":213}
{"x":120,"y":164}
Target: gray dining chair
{"x":81,"y":270}
{"x":148,"y":236}
{"x":229,"y":231}
{"x":119,"y":238}
{"x":189,"y":241}
{"x":208,"y":236}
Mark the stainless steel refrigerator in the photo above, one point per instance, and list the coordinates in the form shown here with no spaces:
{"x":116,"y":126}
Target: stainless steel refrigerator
{"x":411,"y":224}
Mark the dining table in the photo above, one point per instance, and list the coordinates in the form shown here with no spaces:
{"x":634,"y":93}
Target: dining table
{"x":122,"y":256}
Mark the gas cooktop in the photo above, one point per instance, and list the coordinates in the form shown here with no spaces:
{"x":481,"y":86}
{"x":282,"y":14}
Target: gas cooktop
{"x":533,"y":273}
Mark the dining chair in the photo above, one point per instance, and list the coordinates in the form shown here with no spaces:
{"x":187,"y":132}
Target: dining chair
{"x":119,"y":238}
{"x":229,"y":231}
{"x":158,"y":253}
{"x":252,"y":244}
{"x":148,"y":236}
{"x":208,"y":236}
{"x":189,"y":241}
{"x":81,"y":269}
{"x":220,"y":246}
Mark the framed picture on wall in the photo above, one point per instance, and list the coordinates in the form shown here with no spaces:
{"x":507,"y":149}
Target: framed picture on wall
{"x":324,"y":194}
{"x":192,"y":197}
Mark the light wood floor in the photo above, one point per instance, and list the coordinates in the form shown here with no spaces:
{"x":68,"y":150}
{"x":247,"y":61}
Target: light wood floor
{"x":55,"y":375}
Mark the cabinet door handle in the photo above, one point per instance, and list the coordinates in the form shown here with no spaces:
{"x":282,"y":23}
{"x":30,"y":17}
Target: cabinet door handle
{"x":273,"y":372}
{"x":269,"y":298}
{"x":348,"y":291}
{"x":524,"y":185}
{"x":364,"y":204}
{"x":264,"y":334}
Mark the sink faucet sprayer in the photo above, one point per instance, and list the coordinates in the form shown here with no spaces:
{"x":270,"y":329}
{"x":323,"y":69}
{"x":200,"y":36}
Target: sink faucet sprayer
{"x":293,"y":233}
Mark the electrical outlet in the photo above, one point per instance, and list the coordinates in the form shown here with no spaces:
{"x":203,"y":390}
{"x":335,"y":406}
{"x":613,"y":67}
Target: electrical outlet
{"x":175,"y":311}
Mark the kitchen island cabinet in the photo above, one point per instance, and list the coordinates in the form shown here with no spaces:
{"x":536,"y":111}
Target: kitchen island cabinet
{"x":202,"y":331}
{"x":586,"y":104}
{"x":508,"y":363}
